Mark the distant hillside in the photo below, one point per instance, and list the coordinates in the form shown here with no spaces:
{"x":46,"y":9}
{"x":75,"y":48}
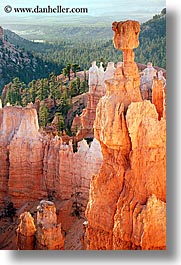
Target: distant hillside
{"x":16,"y":62}
{"x":153,"y":41}
{"x":81,"y":45}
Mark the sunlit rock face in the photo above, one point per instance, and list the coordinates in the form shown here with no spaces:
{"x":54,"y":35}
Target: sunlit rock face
{"x":20,"y":142}
{"x":124,"y":166}
{"x":26,"y":153}
{"x":34,"y":166}
{"x":83,"y":125}
{"x":127,"y":199}
{"x":26,"y":232}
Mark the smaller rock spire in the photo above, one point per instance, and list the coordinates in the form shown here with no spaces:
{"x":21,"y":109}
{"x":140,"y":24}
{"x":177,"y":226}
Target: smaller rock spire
{"x":1,"y":33}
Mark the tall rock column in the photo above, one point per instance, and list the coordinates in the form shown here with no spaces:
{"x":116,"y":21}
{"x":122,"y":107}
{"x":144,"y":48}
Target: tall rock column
{"x":49,"y":234}
{"x":127,"y":199}
{"x":10,"y":120}
{"x":158,"y":94}
{"x":111,"y":131}
{"x":26,"y":152}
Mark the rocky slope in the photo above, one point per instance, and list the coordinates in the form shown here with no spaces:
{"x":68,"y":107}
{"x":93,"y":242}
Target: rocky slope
{"x":127,"y":201}
{"x":15,"y":62}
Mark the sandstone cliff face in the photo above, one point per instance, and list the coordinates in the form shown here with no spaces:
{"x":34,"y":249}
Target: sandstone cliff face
{"x":124,"y":166}
{"x":83,"y":125}
{"x":68,"y":173}
{"x":26,"y":161}
{"x":158,"y":95}
{"x":9,"y":125}
{"x":127,"y":201}
{"x":33,"y":166}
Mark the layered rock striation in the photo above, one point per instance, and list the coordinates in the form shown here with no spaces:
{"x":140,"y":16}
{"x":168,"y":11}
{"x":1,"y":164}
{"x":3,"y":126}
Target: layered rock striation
{"x":35,"y":166}
{"x":26,"y":152}
{"x":124,"y":166}
{"x":10,"y":121}
{"x":67,"y":173}
{"x":127,"y":200}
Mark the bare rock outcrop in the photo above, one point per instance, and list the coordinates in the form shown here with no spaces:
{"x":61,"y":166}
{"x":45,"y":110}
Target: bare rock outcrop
{"x":10,"y":120}
{"x":158,"y":94}
{"x":127,"y":200}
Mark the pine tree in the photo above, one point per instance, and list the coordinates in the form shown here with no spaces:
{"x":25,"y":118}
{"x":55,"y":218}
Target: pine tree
{"x":43,"y":115}
{"x":66,"y":71}
{"x":75,"y":68}
{"x":43,"y":89}
{"x":33,"y":90}
{"x":60,"y":124}
{"x":15,"y":90}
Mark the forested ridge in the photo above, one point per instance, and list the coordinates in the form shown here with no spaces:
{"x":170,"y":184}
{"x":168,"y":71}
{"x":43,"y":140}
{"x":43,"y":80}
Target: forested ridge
{"x":81,"y":45}
{"x":52,"y":96}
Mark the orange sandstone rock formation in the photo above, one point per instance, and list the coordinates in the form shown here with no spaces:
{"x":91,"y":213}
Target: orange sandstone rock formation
{"x":10,"y":120}
{"x":68,"y":174}
{"x":26,"y":232}
{"x":158,"y":94}
{"x":127,"y":200}
{"x":83,"y":125}
{"x":47,"y":235}
{"x":26,"y":153}
{"x":33,"y":166}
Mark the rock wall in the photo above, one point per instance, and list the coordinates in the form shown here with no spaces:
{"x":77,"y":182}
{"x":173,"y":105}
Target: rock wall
{"x":34,"y":166}
{"x":158,"y":94}
{"x":26,"y":152}
{"x":127,"y":200}
{"x":68,"y":173}
{"x":10,"y":121}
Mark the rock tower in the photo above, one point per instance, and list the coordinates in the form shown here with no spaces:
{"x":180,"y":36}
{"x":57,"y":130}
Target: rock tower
{"x":1,"y":33}
{"x":127,"y":199}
